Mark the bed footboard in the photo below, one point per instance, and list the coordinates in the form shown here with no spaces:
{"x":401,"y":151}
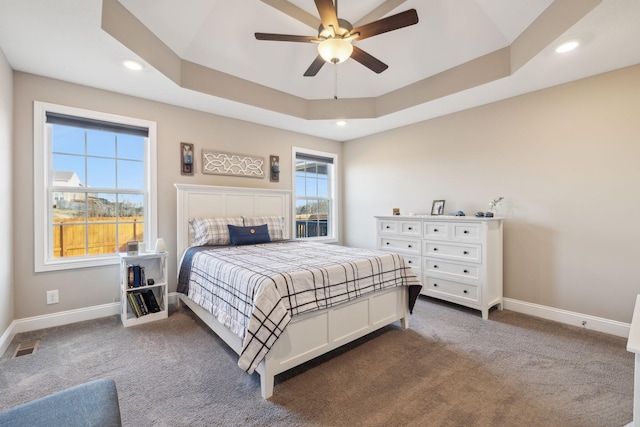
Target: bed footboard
{"x":314,"y":334}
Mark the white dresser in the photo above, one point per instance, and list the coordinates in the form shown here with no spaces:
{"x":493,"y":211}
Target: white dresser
{"x":459,"y":259}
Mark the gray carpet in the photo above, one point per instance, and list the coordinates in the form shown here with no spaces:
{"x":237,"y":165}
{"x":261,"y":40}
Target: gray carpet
{"x":450,"y":369}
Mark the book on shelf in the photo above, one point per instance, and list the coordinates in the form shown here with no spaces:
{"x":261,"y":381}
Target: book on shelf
{"x":150,"y":300}
{"x":133,"y":303}
{"x":141,"y":303}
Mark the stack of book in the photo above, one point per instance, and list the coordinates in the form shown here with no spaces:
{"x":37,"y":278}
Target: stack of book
{"x":143,"y":301}
{"x":136,"y":276}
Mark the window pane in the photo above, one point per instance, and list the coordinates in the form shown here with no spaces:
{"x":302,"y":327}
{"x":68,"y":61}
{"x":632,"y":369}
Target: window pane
{"x":300,"y":187}
{"x":102,"y":207}
{"x":323,"y":187}
{"x":69,"y":207}
{"x":68,"y":170}
{"x":69,"y":240}
{"x":130,"y":175}
{"x":67,"y":139}
{"x":129,"y":231}
{"x":101,"y":144}
{"x":130,"y":147}
{"x":311,"y":187}
{"x":102,"y":239}
{"x":101,"y":173}
{"x":131,"y":207}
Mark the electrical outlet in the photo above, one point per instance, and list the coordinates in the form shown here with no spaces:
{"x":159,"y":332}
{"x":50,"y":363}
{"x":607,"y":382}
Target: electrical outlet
{"x":52,"y":297}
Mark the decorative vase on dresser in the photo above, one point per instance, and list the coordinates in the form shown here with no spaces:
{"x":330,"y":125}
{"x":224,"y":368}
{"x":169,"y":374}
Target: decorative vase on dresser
{"x":459,"y":259}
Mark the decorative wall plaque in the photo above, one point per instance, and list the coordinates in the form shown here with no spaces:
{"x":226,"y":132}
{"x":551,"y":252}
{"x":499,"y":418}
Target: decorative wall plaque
{"x":216,"y":163}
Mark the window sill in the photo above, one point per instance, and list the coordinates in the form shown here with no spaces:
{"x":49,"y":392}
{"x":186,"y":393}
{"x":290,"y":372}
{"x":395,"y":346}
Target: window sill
{"x":71,"y":264}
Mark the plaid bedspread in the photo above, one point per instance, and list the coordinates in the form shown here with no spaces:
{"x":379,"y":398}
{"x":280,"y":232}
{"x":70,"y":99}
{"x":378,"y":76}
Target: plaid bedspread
{"x":254,"y":290}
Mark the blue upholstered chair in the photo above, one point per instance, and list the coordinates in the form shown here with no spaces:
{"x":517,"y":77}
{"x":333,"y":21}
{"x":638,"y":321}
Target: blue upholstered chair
{"x":91,"y":404}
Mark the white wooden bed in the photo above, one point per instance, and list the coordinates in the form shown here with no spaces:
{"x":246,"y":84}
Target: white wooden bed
{"x":309,"y":335}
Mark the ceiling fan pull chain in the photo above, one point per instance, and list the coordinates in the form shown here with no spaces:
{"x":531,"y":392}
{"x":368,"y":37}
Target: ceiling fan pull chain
{"x":335,"y":80}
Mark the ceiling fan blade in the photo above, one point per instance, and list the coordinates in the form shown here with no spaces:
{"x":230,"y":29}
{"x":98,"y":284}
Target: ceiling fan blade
{"x":286,"y":38}
{"x":295,"y":12}
{"x":393,"y":22}
{"x":328,"y":14}
{"x":379,"y":12}
{"x":314,"y":67}
{"x":368,"y":61}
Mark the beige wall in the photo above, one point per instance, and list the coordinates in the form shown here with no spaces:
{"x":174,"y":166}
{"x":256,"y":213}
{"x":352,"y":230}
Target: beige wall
{"x":94,"y":286}
{"x":6,"y":188}
{"x":567,"y":161}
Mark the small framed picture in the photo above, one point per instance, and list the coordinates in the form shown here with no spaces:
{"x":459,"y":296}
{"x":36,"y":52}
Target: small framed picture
{"x":437,"y":208}
{"x":396,"y":211}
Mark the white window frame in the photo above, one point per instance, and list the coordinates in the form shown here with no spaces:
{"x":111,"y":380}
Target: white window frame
{"x":333,"y":192}
{"x":42,"y":168}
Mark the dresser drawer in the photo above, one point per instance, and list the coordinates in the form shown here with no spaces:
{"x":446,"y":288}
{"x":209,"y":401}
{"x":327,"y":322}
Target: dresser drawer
{"x":466,"y":232}
{"x":400,"y":228}
{"x":400,"y":245}
{"x":453,"y":251}
{"x":436,"y":230}
{"x":414,"y":261}
{"x":438,"y":266}
{"x":452,"y":289}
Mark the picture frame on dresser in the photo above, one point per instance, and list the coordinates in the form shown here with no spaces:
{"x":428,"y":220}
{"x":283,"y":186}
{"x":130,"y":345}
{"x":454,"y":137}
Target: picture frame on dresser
{"x":437,"y":207}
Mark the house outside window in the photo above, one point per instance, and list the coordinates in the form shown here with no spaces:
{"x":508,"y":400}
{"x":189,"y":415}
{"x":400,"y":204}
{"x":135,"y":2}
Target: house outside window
{"x":315,"y":185}
{"x":95,"y":186}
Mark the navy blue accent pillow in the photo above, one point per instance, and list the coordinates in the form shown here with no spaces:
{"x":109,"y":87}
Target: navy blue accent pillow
{"x":249,"y":235}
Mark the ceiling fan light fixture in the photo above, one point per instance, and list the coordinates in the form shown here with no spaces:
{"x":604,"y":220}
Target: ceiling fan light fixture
{"x":335,"y":50}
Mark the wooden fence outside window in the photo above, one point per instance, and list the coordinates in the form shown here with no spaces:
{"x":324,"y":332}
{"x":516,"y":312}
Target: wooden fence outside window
{"x":70,"y":235}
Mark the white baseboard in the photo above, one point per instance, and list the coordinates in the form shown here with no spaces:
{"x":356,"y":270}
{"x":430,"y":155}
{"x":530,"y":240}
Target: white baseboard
{"x":62,"y":318}
{"x":599,"y":324}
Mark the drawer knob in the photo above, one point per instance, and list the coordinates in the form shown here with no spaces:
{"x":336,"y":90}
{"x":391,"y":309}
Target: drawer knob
{"x":466,"y":252}
{"x":409,"y":246}
{"x":435,"y":249}
{"x":387,"y":243}
{"x":435,"y":266}
{"x":466,"y":291}
{"x":388,"y":227}
{"x":435,"y":230}
{"x":466,"y":271}
{"x":466,"y":231}
{"x":435,"y":285}
{"x":410,"y":228}
{"x":410,"y":262}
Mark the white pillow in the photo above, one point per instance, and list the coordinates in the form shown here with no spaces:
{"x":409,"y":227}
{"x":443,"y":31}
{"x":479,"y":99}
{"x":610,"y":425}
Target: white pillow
{"x":275,"y":224}
{"x":211,"y":231}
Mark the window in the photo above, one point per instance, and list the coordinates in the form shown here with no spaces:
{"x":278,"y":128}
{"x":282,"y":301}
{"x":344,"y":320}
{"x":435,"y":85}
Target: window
{"x":315,"y":193}
{"x":94,"y":186}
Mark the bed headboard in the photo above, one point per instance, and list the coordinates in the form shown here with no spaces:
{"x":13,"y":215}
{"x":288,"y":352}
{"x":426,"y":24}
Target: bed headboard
{"x":214,"y":201}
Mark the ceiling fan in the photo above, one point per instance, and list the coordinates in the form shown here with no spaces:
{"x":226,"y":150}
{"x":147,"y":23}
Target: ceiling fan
{"x":335,"y":35}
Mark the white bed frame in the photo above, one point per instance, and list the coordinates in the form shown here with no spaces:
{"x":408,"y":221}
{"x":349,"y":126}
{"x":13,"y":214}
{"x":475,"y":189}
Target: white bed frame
{"x":307,"y":336}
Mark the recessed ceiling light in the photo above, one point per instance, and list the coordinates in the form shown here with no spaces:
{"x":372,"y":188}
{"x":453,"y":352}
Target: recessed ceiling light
{"x":132,"y":65}
{"x":341,"y":123}
{"x":568,"y":46}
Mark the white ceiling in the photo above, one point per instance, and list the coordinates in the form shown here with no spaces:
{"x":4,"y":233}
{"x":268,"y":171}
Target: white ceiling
{"x":63,"y":39}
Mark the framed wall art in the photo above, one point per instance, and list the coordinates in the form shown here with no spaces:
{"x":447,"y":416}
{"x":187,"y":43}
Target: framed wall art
{"x":231,"y":164}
